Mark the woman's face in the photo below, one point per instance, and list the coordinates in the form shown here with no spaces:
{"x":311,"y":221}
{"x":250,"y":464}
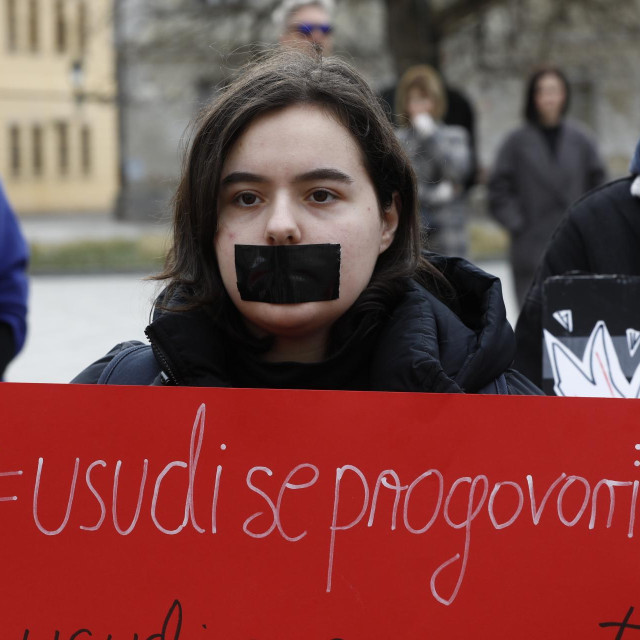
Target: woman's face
{"x":419,"y":102}
{"x":550,"y":96}
{"x":296,"y":177}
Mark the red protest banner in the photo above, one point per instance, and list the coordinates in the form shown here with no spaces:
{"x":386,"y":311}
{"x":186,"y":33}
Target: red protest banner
{"x":167,"y":513}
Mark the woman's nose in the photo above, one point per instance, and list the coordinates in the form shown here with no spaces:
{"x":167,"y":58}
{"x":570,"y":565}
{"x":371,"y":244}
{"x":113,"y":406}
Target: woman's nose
{"x":282,"y":225}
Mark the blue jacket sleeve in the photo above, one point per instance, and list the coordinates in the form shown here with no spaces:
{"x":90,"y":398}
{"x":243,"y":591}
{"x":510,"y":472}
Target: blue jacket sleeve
{"x":14,"y":257}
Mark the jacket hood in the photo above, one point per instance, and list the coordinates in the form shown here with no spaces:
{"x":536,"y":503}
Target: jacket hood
{"x":428,"y":345}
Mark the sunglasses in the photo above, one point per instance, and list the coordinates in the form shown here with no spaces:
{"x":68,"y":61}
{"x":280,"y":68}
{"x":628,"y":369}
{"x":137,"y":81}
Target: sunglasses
{"x":306,"y":29}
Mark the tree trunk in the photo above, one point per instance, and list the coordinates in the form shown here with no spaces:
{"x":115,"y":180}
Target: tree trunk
{"x":413,"y":32}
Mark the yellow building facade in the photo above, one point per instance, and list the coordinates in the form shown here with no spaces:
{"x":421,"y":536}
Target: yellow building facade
{"x":58,"y":105}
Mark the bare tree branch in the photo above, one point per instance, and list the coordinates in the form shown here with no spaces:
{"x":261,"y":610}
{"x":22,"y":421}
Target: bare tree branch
{"x":451,"y":15}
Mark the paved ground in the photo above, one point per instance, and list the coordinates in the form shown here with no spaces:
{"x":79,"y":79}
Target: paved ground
{"x":73,"y":320}
{"x":76,"y":319}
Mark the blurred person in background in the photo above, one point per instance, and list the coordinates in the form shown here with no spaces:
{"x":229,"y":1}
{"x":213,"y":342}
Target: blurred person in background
{"x":13,"y":284}
{"x":303,"y":23}
{"x":599,"y":235}
{"x":440,"y":155}
{"x":541,"y":168}
{"x":460,"y":111}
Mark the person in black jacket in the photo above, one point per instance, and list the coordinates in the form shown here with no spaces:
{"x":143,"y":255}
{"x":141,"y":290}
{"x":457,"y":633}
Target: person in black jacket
{"x":600,"y":234}
{"x":296,"y":259}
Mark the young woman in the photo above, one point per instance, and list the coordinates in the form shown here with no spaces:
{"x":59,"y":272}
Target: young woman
{"x":541,"y":168}
{"x":441,"y":157}
{"x":296,"y":258}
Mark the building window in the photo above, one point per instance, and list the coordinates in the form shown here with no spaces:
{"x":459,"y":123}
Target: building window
{"x":82,"y":27}
{"x":12,"y":25}
{"x":15,"y":159}
{"x":37,"y":157}
{"x":34,"y":26}
{"x":85,"y":149}
{"x":60,"y":27}
{"x":62,"y":133}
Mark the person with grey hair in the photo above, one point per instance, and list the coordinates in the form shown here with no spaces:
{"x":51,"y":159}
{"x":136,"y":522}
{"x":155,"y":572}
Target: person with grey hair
{"x":303,"y":23}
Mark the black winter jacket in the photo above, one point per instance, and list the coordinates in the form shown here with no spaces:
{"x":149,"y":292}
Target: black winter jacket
{"x":600,"y":234}
{"x":424,"y":347}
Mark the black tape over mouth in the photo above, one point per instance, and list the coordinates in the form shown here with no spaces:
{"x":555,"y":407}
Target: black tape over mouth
{"x":288,"y":274}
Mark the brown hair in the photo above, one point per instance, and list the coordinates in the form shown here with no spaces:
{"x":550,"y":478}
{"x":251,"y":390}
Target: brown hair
{"x":428,"y":81}
{"x":280,"y":80}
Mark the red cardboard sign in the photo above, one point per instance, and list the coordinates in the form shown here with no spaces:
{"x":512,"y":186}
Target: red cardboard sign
{"x":166,"y":514}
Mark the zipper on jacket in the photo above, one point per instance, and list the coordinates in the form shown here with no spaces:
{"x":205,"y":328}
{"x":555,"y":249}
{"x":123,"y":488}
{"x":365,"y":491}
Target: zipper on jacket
{"x":166,"y":372}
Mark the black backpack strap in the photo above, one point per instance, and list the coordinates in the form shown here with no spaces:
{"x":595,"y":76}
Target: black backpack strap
{"x":135,"y":364}
{"x":511,"y":383}
{"x":498,"y":387}
{"x":501,"y":385}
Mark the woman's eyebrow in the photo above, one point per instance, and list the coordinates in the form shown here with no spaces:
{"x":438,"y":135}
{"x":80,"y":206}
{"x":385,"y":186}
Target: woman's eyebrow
{"x":324,"y":174}
{"x":242,"y":176}
{"x":314,"y":174}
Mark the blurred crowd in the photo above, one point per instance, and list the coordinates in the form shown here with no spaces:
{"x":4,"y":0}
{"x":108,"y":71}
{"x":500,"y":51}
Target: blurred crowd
{"x":547,"y":186}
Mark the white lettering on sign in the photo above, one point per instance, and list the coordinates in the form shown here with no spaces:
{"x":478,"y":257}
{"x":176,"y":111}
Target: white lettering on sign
{"x":414,"y":504}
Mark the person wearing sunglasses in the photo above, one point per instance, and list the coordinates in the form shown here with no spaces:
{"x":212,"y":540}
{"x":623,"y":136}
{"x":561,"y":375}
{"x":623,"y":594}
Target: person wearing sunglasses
{"x":306,"y":23}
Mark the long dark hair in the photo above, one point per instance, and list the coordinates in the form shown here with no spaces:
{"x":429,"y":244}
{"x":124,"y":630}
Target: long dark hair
{"x":277,"y":81}
{"x":530,"y":110}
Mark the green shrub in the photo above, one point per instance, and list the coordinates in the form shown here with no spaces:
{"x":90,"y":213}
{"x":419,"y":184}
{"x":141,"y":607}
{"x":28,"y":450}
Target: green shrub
{"x":95,"y":256}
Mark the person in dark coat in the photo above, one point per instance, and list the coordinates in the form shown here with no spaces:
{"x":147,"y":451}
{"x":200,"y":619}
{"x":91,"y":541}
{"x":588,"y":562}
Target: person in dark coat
{"x":14,"y":257}
{"x":296,"y":258}
{"x":599,"y":235}
{"x":541,"y":168}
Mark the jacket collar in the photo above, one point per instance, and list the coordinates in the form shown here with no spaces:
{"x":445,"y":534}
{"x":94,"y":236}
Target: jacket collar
{"x":423,"y":346}
{"x":426,"y":346}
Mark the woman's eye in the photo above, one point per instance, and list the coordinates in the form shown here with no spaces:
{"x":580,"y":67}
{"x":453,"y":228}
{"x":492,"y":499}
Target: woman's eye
{"x":322,"y":195}
{"x":246,"y":199}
